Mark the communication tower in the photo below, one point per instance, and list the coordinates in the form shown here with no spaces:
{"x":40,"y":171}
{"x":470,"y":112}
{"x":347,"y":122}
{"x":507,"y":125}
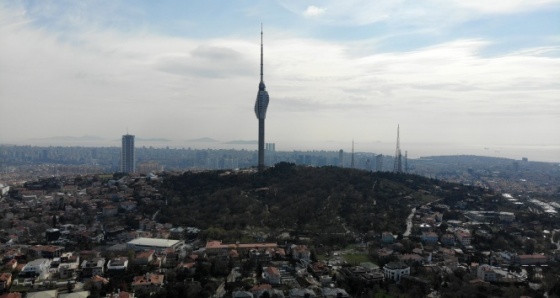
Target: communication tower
{"x":397,"y":168}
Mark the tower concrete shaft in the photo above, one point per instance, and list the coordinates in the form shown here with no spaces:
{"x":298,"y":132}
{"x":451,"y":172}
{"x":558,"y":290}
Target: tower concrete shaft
{"x":261,"y":145}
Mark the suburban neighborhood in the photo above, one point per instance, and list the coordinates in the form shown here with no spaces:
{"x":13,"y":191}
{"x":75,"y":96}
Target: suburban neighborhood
{"x":90,"y":236}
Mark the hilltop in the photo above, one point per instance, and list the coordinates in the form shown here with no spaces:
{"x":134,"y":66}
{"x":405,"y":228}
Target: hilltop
{"x":300,"y":200}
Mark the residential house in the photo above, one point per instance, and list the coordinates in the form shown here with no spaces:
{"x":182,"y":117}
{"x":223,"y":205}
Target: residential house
{"x":448,"y":239}
{"x":384,"y":253}
{"x":69,"y":264}
{"x":46,"y":251}
{"x":530,"y":260}
{"x":177,"y":233}
{"x":429,"y":238}
{"x":259,"y":255}
{"x":189,"y":268}
{"x":488,"y":273}
{"x":301,"y":252}
{"x":387,"y":237}
{"x":148,"y":282}
{"x":368,"y":274}
{"x":276,"y":253}
{"x":233,"y":255}
{"x":145,"y":257}
{"x":259,"y":290}
{"x":411,"y":259}
{"x":171,"y":258}
{"x":89,"y":254}
{"x":95,"y":266}
{"x":11,"y":264}
{"x":450,"y":261}
{"x":318,"y":269}
{"x":464,"y":237}
{"x":5,"y":281}
{"x":98,"y":281}
{"x":272,"y":275}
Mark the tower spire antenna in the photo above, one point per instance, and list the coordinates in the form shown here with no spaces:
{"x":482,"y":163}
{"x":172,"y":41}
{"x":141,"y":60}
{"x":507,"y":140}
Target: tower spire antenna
{"x":262,"y":75}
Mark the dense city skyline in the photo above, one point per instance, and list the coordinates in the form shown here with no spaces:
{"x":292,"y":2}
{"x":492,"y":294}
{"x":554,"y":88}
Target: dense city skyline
{"x":460,"y":78}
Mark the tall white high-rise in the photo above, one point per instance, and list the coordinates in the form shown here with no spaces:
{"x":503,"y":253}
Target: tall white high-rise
{"x":128,"y":158}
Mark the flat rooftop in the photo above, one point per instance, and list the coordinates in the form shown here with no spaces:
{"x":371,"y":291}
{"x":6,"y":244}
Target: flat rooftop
{"x":154,"y":242}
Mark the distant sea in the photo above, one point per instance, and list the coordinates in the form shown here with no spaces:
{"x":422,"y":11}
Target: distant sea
{"x":545,"y":153}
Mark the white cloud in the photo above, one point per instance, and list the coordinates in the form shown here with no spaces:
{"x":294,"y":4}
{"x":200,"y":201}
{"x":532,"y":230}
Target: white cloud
{"x":504,"y":6}
{"x":98,"y":82}
{"x":411,"y":13}
{"x":313,"y":11}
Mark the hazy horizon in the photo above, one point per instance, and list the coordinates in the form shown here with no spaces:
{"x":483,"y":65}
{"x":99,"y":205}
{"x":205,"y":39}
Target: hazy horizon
{"x":458,"y":76}
{"x":543,"y":153}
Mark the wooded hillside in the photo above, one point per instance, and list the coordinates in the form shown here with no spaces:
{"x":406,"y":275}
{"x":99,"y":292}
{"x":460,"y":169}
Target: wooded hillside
{"x":300,"y":199}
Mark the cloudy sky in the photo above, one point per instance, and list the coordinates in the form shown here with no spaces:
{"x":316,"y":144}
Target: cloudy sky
{"x":472,"y":77}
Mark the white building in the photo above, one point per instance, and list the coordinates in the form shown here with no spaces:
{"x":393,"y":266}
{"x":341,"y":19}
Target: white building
{"x":36,"y":268}
{"x":93,"y":267}
{"x":4,"y":189}
{"x":120,"y":263}
{"x":395,"y":270}
{"x":156,"y":244}
{"x":489,"y":273}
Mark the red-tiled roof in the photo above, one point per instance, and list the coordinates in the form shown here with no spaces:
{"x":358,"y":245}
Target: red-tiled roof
{"x":214,"y":244}
{"x":155,"y":279}
{"x":272,"y":271}
{"x":49,"y":248}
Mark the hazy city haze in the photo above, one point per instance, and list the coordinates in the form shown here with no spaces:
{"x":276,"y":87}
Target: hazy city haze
{"x":460,"y":77}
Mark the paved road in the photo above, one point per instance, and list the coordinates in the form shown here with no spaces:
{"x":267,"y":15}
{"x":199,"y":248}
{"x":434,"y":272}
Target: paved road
{"x":409,"y":223}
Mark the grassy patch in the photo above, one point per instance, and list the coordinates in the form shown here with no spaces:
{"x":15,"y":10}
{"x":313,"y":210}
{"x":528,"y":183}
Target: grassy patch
{"x":356,"y":259}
